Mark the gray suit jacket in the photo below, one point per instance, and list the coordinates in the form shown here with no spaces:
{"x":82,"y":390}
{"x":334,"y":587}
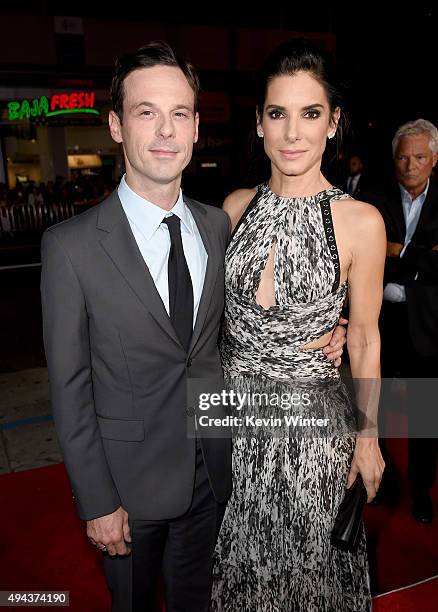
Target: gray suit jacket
{"x":118,"y":374}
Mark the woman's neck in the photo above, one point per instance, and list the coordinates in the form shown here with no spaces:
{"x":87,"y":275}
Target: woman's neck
{"x":297,"y":186}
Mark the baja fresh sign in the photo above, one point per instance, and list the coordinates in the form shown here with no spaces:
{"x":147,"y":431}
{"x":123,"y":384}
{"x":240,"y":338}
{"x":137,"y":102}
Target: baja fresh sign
{"x":58,"y":104}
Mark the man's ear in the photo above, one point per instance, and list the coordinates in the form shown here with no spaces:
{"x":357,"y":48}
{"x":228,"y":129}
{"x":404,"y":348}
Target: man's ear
{"x":195,"y":137}
{"x":115,"y":127}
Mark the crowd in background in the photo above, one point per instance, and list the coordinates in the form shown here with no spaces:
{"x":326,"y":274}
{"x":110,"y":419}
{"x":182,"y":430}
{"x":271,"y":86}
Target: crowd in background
{"x":83,"y":188}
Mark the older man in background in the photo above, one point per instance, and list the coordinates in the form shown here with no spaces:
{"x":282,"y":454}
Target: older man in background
{"x":410,"y":308}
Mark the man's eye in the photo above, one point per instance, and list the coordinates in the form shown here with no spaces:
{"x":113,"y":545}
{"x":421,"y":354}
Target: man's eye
{"x":181,"y":114}
{"x":147,"y":113}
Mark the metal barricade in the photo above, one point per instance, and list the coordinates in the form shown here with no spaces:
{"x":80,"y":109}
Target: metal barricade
{"x":19,"y":219}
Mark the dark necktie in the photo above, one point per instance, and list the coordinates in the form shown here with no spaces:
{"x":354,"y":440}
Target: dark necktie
{"x":180,"y":284}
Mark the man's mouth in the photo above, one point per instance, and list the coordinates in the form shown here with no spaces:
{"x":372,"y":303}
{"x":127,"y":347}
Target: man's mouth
{"x":163,"y":152}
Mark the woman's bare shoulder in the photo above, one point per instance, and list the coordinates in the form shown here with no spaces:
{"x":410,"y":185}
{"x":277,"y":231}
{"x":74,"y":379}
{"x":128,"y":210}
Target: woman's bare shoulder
{"x":360,"y":214}
{"x":237,"y":202}
{"x":363,"y":224}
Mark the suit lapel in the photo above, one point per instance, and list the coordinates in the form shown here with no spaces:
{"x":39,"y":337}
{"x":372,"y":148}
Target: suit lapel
{"x":397,"y":213}
{"x":426,"y":209}
{"x":199,"y":216}
{"x":120,"y":245}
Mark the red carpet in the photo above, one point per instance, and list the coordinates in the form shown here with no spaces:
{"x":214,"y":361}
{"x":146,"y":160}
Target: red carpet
{"x":402,"y":551}
{"x":416,"y":598}
{"x":43,"y":545}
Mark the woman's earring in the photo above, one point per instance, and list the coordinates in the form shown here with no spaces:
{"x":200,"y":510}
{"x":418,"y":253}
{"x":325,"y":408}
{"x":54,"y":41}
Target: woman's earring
{"x":260,"y":132}
{"x":331,"y":135}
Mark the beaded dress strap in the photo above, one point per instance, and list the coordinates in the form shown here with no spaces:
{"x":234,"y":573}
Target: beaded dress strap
{"x":327,"y":219}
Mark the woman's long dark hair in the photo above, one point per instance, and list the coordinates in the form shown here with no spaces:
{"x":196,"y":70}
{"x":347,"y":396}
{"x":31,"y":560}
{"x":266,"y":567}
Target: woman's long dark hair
{"x":290,"y":57}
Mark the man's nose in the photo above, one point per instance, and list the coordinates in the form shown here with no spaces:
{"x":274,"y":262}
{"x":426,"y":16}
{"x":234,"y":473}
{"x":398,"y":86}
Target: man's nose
{"x":165,"y":127}
{"x":411,"y":163}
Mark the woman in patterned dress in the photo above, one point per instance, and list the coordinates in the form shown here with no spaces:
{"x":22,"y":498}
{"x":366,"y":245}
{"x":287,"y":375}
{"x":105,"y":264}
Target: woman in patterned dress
{"x":298,"y":248}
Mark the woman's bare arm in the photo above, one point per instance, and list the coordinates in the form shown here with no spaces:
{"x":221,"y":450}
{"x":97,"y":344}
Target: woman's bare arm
{"x":236,"y":203}
{"x":365,"y":279}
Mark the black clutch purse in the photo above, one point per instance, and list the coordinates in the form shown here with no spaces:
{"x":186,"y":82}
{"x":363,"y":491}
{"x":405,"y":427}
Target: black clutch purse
{"x":348,"y":523}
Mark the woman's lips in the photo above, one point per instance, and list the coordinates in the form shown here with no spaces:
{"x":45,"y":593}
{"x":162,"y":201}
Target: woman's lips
{"x":292,"y":154}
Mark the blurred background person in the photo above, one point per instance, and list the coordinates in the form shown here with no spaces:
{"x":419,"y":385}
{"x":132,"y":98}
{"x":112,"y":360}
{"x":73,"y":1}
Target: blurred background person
{"x":362,"y":183}
{"x":354,"y":182}
{"x":409,"y":319}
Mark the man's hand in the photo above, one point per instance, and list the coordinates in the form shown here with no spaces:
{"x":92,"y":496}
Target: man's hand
{"x":111,"y":532}
{"x":334,"y":348}
{"x":393,"y":249}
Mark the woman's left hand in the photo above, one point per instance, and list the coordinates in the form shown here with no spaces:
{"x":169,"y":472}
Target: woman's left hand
{"x":368,"y":462}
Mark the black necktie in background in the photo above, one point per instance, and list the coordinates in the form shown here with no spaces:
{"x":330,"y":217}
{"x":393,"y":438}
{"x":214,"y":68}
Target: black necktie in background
{"x":180,"y":284}
{"x":351,"y":185}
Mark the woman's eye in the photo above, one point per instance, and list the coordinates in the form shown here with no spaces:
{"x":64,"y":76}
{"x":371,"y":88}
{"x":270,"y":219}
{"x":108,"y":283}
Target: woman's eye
{"x":275,"y":114}
{"x":312,"y":114}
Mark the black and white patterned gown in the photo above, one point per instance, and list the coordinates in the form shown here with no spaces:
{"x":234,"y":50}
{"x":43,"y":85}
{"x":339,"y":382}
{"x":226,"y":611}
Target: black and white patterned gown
{"x":274,"y":552}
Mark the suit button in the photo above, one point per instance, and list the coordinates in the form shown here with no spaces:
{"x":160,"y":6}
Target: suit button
{"x":189,"y":362}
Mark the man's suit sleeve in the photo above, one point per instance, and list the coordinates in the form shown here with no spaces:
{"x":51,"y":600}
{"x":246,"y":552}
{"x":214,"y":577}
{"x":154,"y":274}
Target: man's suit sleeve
{"x":228,"y":229}
{"x":67,"y":346}
{"x":422,"y":260}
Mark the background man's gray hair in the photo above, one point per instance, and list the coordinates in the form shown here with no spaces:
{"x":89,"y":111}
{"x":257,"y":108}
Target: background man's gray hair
{"x":414,"y":128}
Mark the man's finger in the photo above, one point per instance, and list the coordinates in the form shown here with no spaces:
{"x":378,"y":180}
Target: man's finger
{"x":332,"y":354}
{"x":126,"y":531}
{"x":111,"y":550}
{"x":338,"y":332}
{"x":338,"y":338}
{"x":343,"y":321}
{"x":123,"y":549}
{"x":335,"y":339}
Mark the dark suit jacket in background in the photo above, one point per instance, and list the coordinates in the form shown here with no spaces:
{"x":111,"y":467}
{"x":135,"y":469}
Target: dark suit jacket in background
{"x":118,"y":373}
{"x":367,"y":189}
{"x":418,"y":259}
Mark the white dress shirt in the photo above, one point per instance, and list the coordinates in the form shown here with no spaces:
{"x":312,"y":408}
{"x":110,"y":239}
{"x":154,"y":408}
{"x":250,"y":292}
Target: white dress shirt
{"x":153,"y":240}
{"x":394,"y":292}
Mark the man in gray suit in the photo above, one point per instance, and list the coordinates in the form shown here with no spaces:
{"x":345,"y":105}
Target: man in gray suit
{"x":132,"y":294}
